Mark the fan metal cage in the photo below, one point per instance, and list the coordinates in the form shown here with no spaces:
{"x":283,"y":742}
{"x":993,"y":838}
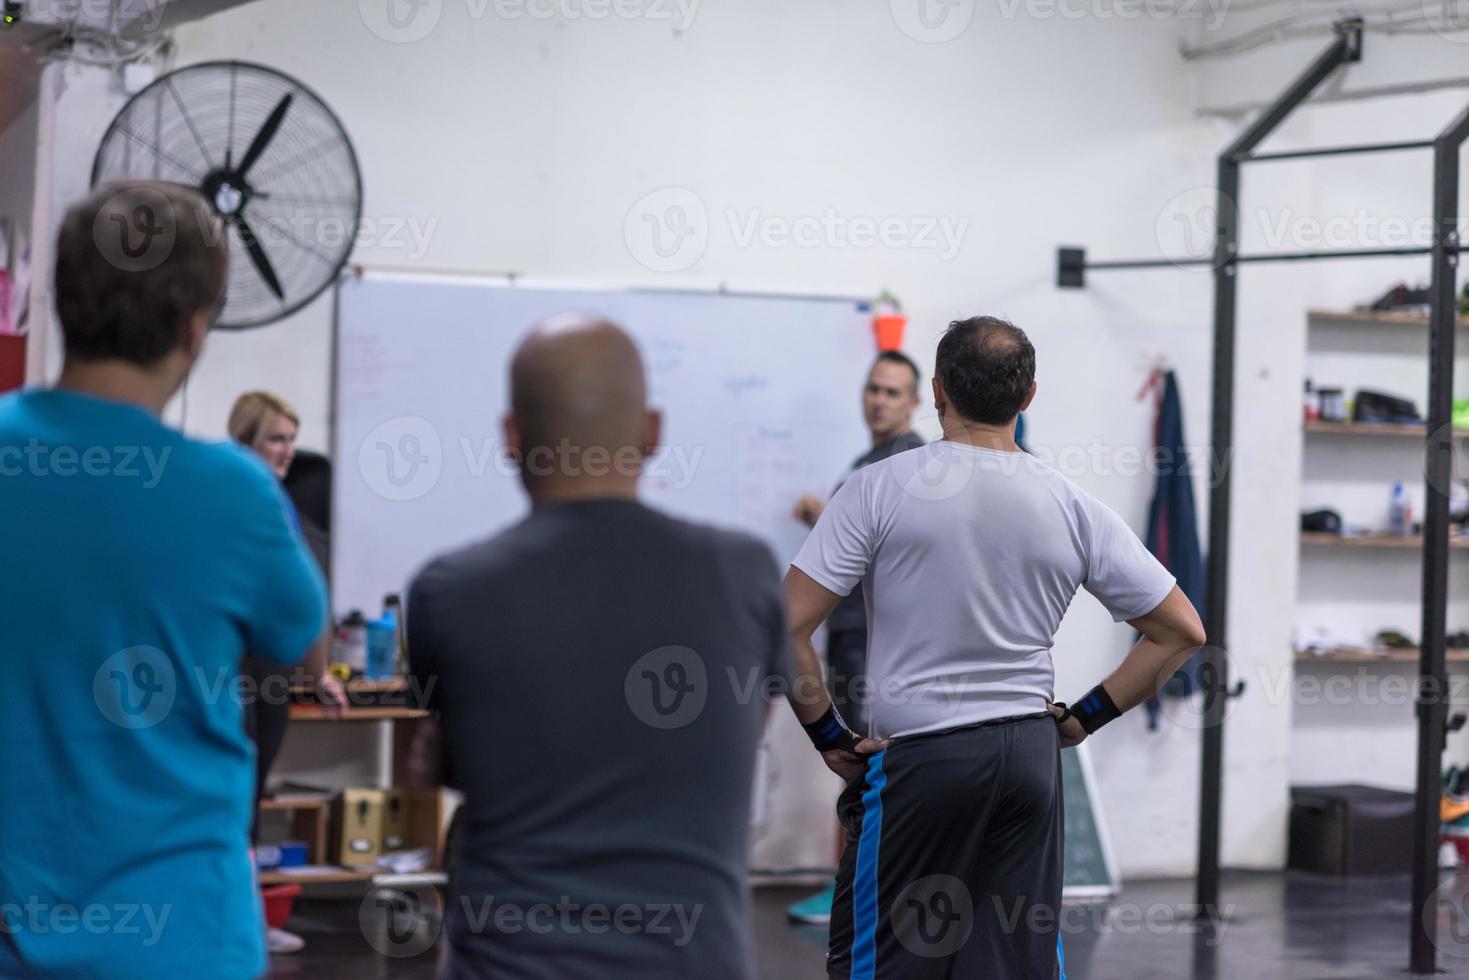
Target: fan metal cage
{"x":269,"y":156}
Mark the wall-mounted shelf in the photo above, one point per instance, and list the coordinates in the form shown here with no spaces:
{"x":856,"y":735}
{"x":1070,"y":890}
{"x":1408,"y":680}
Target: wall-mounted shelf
{"x":309,"y":823}
{"x":1411,"y":430}
{"x":334,"y":876}
{"x":367,"y":700}
{"x":338,"y":876}
{"x":1376,"y":318}
{"x":1372,"y":541}
{"x":1399,"y":656}
{"x":291,"y":804}
{"x":312,"y":712}
{"x":361,"y":685}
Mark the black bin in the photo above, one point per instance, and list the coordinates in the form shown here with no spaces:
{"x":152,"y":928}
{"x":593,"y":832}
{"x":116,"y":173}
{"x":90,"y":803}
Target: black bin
{"x":1350,"y":830}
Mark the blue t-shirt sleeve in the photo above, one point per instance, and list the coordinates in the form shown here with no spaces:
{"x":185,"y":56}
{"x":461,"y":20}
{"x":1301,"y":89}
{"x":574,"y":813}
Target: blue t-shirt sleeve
{"x":286,"y":608}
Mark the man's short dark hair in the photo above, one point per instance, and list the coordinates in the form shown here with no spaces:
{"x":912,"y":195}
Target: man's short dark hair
{"x":898,"y":357}
{"x":986,"y":366}
{"x":135,"y":261}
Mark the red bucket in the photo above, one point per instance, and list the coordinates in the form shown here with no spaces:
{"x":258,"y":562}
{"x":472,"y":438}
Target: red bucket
{"x":889,"y":330}
{"x":278,"y":902}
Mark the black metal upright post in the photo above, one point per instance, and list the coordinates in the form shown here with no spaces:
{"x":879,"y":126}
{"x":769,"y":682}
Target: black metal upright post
{"x":1214,"y":669}
{"x":1432,"y":700}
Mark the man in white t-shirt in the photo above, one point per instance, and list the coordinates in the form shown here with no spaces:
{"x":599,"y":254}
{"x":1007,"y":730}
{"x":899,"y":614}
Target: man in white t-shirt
{"x":969,"y":552}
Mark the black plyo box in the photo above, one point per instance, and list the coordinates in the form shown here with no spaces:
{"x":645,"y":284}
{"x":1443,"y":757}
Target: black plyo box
{"x":1350,"y":830}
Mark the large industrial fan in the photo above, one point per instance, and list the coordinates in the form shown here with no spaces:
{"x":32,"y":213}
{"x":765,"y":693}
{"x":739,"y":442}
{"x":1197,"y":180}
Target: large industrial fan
{"x":270,"y":157}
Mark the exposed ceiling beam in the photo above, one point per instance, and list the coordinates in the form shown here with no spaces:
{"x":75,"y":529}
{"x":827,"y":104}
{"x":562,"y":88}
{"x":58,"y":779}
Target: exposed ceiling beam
{"x":131,"y":19}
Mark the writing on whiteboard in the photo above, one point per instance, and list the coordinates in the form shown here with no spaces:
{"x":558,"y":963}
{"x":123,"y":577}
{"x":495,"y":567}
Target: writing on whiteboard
{"x":745,"y":384}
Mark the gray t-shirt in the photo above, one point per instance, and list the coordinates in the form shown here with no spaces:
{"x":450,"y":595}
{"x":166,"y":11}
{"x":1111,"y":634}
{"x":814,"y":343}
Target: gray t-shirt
{"x":602,"y":673}
{"x":970,"y":558}
{"x":851,"y":613}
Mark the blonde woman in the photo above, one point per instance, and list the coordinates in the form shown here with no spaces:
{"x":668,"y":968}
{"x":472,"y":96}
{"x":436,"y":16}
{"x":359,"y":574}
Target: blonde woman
{"x":267,"y":426}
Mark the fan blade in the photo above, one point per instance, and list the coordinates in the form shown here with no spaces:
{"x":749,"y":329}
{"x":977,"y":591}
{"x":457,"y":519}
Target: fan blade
{"x":258,"y":256}
{"x":267,"y":133}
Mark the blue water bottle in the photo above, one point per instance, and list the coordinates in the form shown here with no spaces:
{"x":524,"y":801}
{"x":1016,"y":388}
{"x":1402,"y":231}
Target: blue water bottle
{"x":382,"y":642}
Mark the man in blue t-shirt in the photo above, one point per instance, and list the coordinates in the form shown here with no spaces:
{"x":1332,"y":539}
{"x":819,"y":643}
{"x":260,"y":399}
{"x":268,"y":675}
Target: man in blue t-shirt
{"x":140,"y":566}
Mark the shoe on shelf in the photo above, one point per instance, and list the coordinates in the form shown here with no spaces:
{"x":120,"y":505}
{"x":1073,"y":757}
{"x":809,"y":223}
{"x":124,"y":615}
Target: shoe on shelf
{"x":1393,"y":640}
{"x":280,"y":941}
{"x":1453,"y":811}
{"x":1400,"y":296}
{"x":815,"y":910}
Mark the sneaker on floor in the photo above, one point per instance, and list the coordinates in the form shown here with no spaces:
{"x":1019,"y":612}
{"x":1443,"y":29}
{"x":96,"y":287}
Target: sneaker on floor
{"x":815,"y":910}
{"x":280,"y":941}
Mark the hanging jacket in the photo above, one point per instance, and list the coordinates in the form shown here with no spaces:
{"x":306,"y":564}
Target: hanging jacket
{"x":1173,"y":531}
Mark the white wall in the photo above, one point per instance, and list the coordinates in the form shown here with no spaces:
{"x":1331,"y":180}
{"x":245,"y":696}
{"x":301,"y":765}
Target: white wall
{"x":74,"y":106}
{"x":17,"y":166}
{"x":527,"y":144}
{"x":524,"y":144}
{"x":519,"y":143}
{"x":17,"y":179}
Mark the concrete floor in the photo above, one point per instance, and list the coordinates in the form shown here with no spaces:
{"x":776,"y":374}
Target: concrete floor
{"x":1280,"y":927}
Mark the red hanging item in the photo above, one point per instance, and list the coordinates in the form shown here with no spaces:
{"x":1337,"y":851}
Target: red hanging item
{"x":12,"y":361}
{"x":888,"y":323}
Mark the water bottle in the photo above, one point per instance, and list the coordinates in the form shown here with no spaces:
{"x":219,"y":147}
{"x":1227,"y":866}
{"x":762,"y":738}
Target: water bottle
{"x":382,"y":636}
{"x":393,"y":610}
{"x":1398,"y":516}
{"x":352,"y":642}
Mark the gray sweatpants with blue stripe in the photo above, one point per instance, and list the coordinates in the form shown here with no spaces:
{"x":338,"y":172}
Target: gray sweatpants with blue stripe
{"x":953,"y":863}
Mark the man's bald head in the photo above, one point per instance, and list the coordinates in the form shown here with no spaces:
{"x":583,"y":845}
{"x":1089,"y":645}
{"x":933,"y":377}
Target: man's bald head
{"x":578,"y":380}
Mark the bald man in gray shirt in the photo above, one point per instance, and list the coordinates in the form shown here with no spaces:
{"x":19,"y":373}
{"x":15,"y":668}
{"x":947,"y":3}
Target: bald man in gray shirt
{"x":601,"y":672}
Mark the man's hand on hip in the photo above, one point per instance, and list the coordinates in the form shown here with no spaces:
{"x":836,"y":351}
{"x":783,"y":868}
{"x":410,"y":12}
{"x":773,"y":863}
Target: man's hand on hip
{"x":852,"y":763}
{"x":1070,"y":728}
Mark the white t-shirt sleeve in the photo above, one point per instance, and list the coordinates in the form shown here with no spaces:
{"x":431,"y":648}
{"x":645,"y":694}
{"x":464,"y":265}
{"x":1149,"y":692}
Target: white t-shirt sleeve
{"x":1121,"y":572}
{"x":839,"y":548}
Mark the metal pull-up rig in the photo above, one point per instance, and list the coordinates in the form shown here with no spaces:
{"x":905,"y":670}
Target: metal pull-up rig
{"x":1431,"y":697}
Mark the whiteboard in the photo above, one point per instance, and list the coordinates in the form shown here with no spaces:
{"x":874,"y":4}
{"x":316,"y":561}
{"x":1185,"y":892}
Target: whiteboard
{"x":760,"y":397}
{"x":1090,"y":868}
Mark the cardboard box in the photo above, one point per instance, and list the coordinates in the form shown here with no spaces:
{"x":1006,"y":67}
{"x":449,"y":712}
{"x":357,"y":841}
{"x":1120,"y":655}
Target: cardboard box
{"x":395,"y":820}
{"x":430,"y":812}
{"x":357,"y":827}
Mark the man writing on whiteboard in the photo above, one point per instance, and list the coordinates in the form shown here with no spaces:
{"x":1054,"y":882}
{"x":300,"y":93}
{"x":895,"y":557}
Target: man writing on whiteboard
{"x":971,"y":551}
{"x":889,"y":399}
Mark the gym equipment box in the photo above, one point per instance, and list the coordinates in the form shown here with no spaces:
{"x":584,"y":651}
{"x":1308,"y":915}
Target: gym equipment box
{"x":1350,"y":830}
